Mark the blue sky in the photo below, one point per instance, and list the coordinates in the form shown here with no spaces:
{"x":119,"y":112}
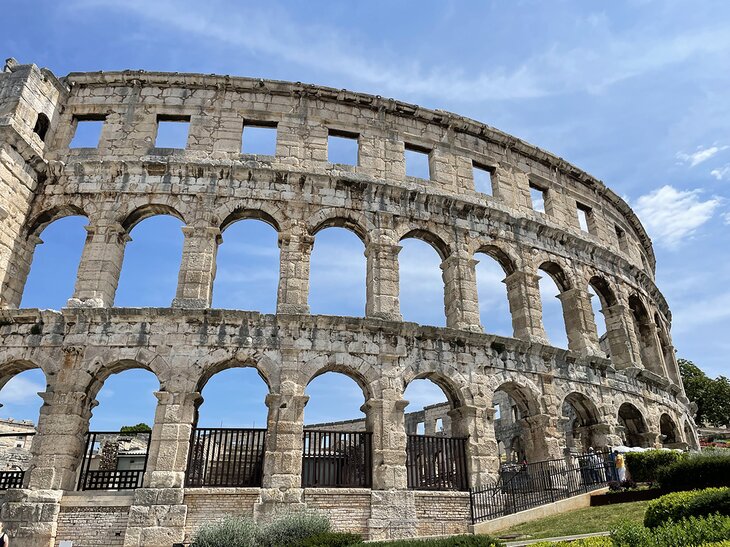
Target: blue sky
{"x":634,"y":92}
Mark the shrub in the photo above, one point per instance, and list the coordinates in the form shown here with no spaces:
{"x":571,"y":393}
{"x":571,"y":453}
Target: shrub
{"x":453,"y":541}
{"x":643,"y":466}
{"x":288,"y":528}
{"x":330,"y":539}
{"x":679,"y":505}
{"x":693,"y":531}
{"x":694,"y":472}
{"x":597,"y":541}
{"x":228,"y":532}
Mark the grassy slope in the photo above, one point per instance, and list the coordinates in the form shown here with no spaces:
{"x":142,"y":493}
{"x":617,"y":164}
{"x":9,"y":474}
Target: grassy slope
{"x":582,"y":521}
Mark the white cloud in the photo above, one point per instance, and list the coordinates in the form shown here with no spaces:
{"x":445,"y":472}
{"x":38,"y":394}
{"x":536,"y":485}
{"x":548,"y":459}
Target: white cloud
{"x":721,"y":173}
{"x":20,"y":390}
{"x":726,"y":218}
{"x":700,"y":155}
{"x":672,"y":215}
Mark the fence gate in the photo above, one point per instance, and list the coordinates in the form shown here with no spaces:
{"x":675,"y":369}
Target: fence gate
{"x":225,"y":457}
{"x":436,"y":463}
{"x":337,"y":459}
{"x":114,"y":460}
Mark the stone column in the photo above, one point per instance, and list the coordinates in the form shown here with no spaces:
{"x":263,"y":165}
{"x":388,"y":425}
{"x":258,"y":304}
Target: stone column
{"x":384,"y":418}
{"x":460,"y":292}
{"x":158,"y":511}
{"x":651,"y":353}
{"x":197,"y":267}
{"x":580,"y":324}
{"x":618,"y":332}
{"x":477,"y":425}
{"x":525,"y":305}
{"x":101,"y":264}
{"x":18,"y":268}
{"x":296,"y":250}
{"x":670,"y":362}
{"x":383,"y":281}
{"x":596,"y":436}
{"x":542,"y":439}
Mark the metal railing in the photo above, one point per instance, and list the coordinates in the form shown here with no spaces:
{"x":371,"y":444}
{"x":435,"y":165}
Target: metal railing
{"x":524,"y":486}
{"x":225,"y":457}
{"x":436,"y":463}
{"x":114,"y":461}
{"x":337,"y":459}
{"x":11,"y":479}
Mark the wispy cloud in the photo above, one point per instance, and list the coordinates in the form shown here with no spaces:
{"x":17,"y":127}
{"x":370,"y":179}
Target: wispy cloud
{"x":671,"y":216}
{"x":721,"y":173}
{"x":700,"y":155}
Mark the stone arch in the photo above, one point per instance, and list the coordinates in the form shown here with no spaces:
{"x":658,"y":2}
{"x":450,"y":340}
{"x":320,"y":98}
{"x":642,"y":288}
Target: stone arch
{"x":229,"y":211}
{"x":42,"y":124}
{"x":644,"y":330}
{"x":667,"y":351}
{"x":99,"y":373}
{"x":217,"y":363}
{"x":502,"y":257}
{"x":456,"y":395}
{"x":669,"y":430}
{"x":635,"y":430}
{"x":11,"y":368}
{"x":582,"y":418}
{"x":557,"y":274}
{"x":690,"y":436}
{"x":439,"y":244}
{"x":603,"y":289}
{"x":39,"y":222}
{"x":341,"y":218}
{"x":250,"y":214}
{"x":361,"y":373}
{"x":149,"y":210}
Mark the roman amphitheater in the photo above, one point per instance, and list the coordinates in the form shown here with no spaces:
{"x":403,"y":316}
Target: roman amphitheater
{"x":621,"y":388}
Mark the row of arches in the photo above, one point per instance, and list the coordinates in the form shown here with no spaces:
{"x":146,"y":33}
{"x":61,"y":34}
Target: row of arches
{"x":247,"y":269}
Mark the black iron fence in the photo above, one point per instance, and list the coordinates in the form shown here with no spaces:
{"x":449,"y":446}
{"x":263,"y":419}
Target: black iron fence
{"x":337,"y":459}
{"x":114,"y":461}
{"x":436,"y":463}
{"x":524,"y":486}
{"x":226,"y":457}
{"x":11,"y":479}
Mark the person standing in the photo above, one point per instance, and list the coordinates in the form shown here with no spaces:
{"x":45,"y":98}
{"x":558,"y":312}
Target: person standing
{"x":620,"y":467}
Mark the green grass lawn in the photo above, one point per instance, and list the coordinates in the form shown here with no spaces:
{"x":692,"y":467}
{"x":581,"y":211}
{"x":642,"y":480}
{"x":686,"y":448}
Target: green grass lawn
{"x":581,"y":521}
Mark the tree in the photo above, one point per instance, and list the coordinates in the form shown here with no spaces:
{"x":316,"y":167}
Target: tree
{"x":139,"y":428}
{"x":712,"y":396}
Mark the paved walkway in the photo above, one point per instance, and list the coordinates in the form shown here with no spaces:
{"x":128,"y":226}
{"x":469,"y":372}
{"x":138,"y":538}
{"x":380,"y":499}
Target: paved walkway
{"x":522,"y":543}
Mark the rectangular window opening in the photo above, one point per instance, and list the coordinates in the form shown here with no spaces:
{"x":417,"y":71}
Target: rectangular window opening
{"x":538,"y":196}
{"x":342,"y":147}
{"x":417,"y":162}
{"x":88,"y":131}
{"x":584,"y":217}
{"x":621,"y":236}
{"x":497,"y":412}
{"x":172,"y":131}
{"x":483,"y":178}
{"x":420,"y":428}
{"x":259,"y":138}
{"x":439,"y":425}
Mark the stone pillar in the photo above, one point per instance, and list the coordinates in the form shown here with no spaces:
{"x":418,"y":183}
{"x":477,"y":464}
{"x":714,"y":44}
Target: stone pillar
{"x":383,"y":281}
{"x":595,"y":435}
{"x":651,"y":353}
{"x":670,"y":362}
{"x":18,"y":268}
{"x":618,"y":332}
{"x":197,"y":268}
{"x":477,"y":425}
{"x":580,"y":324}
{"x":158,"y":511}
{"x":543,"y":440}
{"x":460,"y":292}
{"x":525,"y":305}
{"x":101,"y":264}
{"x":296,"y":250}
{"x":384,"y":418}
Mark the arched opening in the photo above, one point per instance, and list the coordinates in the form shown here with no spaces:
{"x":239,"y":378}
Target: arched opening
{"x":645,"y":336}
{"x":337,"y":273}
{"x":553,"y":319}
{"x":247,"y":266}
{"x":151,"y":261}
{"x":634,"y":430}
{"x":337,"y":449}
{"x":42,"y":124}
{"x":436,"y":438}
{"x":580,"y":421}
{"x":602,"y":301}
{"x":19,"y":411}
{"x":494,"y":310}
{"x":689,"y":436}
{"x":421,"y":279}
{"x":670,"y":359}
{"x":516,"y":426}
{"x":55,"y":263}
{"x":120,"y":429}
{"x":670,"y":435}
{"x":229,"y":430}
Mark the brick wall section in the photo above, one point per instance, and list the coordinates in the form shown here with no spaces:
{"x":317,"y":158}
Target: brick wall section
{"x":92,"y":526}
{"x":210,"y":504}
{"x":348,"y":509}
{"x":441,"y":513}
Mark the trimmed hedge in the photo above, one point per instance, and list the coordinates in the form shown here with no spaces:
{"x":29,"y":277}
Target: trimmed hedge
{"x":693,"y":531}
{"x":453,"y":541}
{"x":679,"y":505}
{"x":644,"y":466}
{"x":695,"y":472}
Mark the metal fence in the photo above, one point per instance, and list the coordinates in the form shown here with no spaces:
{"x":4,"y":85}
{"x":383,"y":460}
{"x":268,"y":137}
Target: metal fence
{"x":11,"y":479}
{"x":114,"y":461}
{"x":436,"y":463}
{"x":524,"y":486}
{"x":337,"y":459}
{"x":226,"y":457}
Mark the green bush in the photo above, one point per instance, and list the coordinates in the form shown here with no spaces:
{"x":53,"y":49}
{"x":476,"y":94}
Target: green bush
{"x":453,"y":541}
{"x":228,"y":532}
{"x":643,"y":466}
{"x":690,"y":532}
{"x":287,"y":528}
{"x":330,"y":539}
{"x":679,"y":505}
{"x":694,"y":472}
{"x":597,"y":541}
